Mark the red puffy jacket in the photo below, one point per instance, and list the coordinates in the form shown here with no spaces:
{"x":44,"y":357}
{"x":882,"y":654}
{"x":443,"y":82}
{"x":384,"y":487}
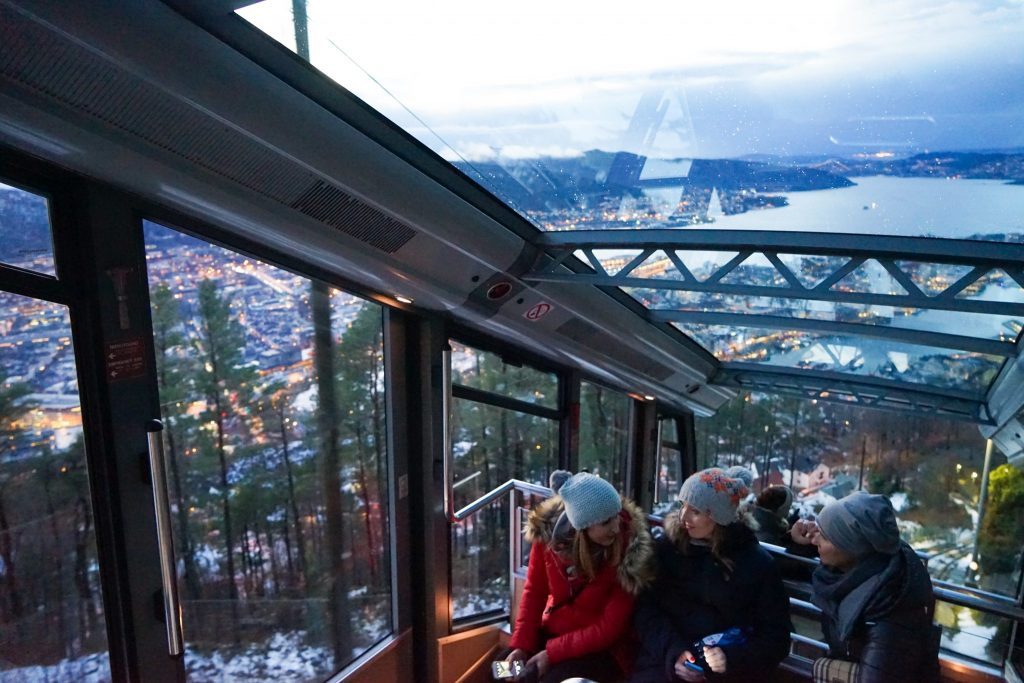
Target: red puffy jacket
{"x":580,"y":617}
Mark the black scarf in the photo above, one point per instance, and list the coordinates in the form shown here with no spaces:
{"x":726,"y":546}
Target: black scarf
{"x":868,"y":591}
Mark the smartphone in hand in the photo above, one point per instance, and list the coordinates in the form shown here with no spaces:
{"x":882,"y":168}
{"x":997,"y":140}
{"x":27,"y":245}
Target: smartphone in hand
{"x":501,"y":669}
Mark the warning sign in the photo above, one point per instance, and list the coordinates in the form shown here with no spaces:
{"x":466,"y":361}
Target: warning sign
{"x":538,"y":311}
{"x":126,"y":359}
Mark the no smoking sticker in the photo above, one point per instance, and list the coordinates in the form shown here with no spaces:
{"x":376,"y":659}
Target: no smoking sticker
{"x":538,"y":311}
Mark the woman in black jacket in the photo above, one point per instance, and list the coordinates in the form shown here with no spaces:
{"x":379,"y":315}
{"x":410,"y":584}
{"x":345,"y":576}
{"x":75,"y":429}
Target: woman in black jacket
{"x":875,"y":595}
{"x":712,"y":576}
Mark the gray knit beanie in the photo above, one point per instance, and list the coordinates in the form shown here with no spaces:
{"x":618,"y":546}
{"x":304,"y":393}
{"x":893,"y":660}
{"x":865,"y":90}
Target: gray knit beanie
{"x":861,"y":523}
{"x":588,"y":499}
{"x":717,"y":492}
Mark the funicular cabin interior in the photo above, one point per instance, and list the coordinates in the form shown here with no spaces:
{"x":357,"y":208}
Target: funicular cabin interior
{"x":301,"y":303}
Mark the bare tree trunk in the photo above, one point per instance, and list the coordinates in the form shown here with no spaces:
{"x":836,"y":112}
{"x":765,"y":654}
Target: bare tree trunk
{"x":261,"y":571}
{"x":58,"y":554}
{"x":13,"y":608}
{"x":83,"y":531}
{"x":327,"y":418}
{"x":292,"y":578}
{"x":364,"y":493}
{"x":275,"y":575}
{"x":299,"y":540}
{"x":192,"y":586}
{"x":225,"y":505}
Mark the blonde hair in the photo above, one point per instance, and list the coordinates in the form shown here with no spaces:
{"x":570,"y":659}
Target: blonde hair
{"x":589,"y":558}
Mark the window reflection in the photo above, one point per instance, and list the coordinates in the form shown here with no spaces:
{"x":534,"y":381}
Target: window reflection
{"x":823,"y":134}
{"x":25,"y":235}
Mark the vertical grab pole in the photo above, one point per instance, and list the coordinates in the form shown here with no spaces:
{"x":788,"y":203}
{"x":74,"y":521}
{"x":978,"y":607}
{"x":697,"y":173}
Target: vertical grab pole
{"x":165,"y":543}
{"x":446,"y":427}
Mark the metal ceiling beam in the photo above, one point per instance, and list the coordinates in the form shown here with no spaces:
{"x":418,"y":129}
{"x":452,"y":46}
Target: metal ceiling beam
{"x":868,"y":394}
{"x":927,"y":249}
{"x":876,"y":383}
{"x":853,"y":251}
{"x":937,"y":339}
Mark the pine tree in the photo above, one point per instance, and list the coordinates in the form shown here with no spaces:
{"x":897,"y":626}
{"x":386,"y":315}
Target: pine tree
{"x":13,"y":405}
{"x":225,"y":383}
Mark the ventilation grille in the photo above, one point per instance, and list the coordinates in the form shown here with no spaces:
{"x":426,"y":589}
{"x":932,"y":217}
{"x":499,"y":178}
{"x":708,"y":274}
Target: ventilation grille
{"x":586,"y":334}
{"x":75,"y":77}
{"x":329,"y":205}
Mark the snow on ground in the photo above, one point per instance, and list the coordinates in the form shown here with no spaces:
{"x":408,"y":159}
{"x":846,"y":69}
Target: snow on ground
{"x":809,"y":506}
{"x":91,"y":668}
{"x":971,"y":639}
{"x":283,"y":657}
{"x":899,"y":501}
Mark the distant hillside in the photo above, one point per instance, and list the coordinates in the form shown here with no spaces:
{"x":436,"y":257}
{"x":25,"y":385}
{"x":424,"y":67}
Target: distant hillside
{"x":978,"y":165}
{"x":738,"y":175}
{"x":554,"y":184}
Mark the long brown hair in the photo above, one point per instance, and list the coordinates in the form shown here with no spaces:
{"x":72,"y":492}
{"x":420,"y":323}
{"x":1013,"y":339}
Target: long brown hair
{"x":589,"y":557}
{"x":725,"y":539}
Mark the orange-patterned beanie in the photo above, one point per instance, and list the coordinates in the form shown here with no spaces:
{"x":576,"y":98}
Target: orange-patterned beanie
{"x":717,"y":492}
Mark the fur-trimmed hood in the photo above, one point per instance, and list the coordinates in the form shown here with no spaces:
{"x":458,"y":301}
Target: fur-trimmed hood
{"x":636,"y":571}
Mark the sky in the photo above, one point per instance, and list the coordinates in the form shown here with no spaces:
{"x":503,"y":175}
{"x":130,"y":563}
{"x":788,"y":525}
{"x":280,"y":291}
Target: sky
{"x":680,"y":79}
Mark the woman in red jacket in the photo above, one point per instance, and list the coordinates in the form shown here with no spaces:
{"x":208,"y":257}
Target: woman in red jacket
{"x":591,"y":554}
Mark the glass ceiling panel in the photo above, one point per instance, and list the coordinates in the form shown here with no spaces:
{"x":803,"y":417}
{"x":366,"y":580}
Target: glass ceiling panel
{"x":938,"y":368}
{"x":978,"y":325}
{"x":796,"y":116}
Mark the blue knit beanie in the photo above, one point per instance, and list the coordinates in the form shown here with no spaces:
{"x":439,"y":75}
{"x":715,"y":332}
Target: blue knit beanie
{"x":588,"y":499}
{"x":717,"y":492}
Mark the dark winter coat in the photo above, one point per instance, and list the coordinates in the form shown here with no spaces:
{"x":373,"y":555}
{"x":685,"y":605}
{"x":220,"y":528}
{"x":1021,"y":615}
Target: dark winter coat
{"x":695,"y":596}
{"x":770,"y":528}
{"x":880,"y":615}
{"x":569,"y":616}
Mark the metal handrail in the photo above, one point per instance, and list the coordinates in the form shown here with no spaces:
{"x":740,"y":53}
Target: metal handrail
{"x":164,"y":537}
{"x":809,"y":607}
{"x":808,"y":641}
{"x":496,"y":493}
{"x":451,"y":513}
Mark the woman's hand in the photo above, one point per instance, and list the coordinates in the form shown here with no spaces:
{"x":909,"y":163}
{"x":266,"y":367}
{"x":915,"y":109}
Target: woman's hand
{"x":715,"y":657}
{"x":540,"y":660}
{"x":803,"y":531}
{"x":685,"y":673}
{"x":517,"y":654}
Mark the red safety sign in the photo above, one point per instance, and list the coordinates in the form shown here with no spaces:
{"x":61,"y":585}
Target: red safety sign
{"x":538,"y":311}
{"x":125,"y":359}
